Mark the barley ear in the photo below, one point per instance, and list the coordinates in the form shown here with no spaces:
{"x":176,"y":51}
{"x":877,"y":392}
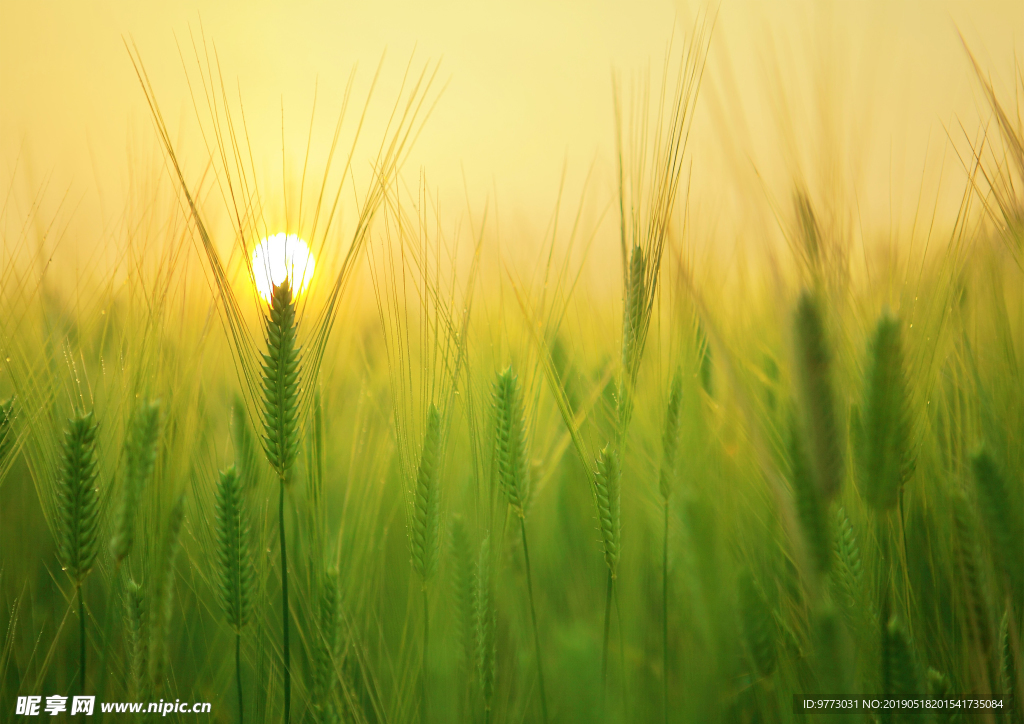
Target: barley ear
{"x":901,"y":678}
{"x":163,"y":601}
{"x":886,"y":457}
{"x":607,"y":489}
{"x":281,"y":364}
{"x":1004,"y":522}
{"x":234,"y":556}
{"x":137,"y":666}
{"x":758,"y":625}
{"x":140,"y":459}
{"x":426,"y":506}
{"x":463,"y":581}
{"x":633,"y":309}
{"x":78,"y":498}
{"x":510,"y":440}
{"x":486,"y":625}
{"x":814,"y":379}
{"x":965,"y":540}
{"x":326,"y":649}
{"x":670,"y":434}
{"x":939,"y":688}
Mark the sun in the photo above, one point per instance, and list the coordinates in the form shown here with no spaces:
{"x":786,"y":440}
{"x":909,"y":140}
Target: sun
{"x":280,"y":257}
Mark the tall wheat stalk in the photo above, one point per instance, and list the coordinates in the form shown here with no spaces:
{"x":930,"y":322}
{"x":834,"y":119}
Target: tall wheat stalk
{"x":669,"y":443}
{"x":513,"y":468}
{"x":79,"y":514}
{"x":281,"y":381}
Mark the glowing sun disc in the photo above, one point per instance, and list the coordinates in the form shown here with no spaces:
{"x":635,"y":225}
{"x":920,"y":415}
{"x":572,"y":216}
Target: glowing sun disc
{"x":280,"y":257}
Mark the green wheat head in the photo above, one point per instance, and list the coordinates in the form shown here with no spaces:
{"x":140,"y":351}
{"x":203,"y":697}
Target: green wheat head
{"x":758,"y":625}
{"x":234,"y":556}
{"x":137,"y":666}
{"x":886,"y":457}
{"x":426,"y":505}
{"x":281,"y":367}
{"x":633,"y":310}
{"x":939,"y":687}
{"x":901,"y":675}
{"x":965,"y":540}
{"x":326,"y":649}
{"x":510,"y":439}
{"x":140,"y":459}
{"x":78,"y":498}
{"x":463,"y":580}
{"x":607,"y":489}
{"x":670,"y":435}
{"x":163,"y":603}
{"x":1003,"y":520}
{"x":814,"y":379}
{"x":486,"y":624}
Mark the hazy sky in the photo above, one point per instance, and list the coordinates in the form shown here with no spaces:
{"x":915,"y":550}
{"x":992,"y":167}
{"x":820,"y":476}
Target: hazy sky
{"x":858,"y":96}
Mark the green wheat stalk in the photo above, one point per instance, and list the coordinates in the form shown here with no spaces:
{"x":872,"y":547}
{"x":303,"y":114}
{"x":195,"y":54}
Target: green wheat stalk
{"x":140,"y":460}
{"x":234,"y":557}
{"x":281,"y":371}
{"x":426,"y":522}
{"x":510,"y":450}
{"x":79,"y":513}
{"x":486,"y":620}
{"x":669,"y":444}
{"x":608,"y":494}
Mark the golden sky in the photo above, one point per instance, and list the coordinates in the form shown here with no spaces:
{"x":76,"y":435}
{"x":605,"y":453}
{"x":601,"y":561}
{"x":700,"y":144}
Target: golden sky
{"x":855,"y":96}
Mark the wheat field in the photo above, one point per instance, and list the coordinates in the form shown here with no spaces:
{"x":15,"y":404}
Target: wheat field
{"x":610,"y":473}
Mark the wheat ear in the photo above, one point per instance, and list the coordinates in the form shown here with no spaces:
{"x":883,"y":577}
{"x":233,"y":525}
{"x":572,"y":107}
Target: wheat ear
{"x":79,"y":513}
{"x":137,"y":665}
{"x":810,"y":507}
{"x":160,"y":622}
{"x":486,"y":626}
{"x":814,"y":368}
{"x":235,"y":558}
{"x":140,"y":459}
{"x":281,"y":371}
{"x":326,"y":649}
{"x":901,"y":677}
{"x":633,"y":309}
{"x":758,"y":625}
{"x":1004,"y":522}
{"x":510,"y":449}
{"x":887,"y":460}
{"x":463,"y":580}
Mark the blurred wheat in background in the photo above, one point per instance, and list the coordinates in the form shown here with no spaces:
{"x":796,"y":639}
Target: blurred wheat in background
{"x":499,"y":388}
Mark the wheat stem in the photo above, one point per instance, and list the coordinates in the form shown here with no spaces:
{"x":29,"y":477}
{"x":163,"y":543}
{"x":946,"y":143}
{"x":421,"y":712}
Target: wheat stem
{"x":533,"y":616}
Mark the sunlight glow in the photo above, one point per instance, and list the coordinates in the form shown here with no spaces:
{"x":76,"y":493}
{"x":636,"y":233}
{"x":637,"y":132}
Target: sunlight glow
{"x":280,"y":257}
